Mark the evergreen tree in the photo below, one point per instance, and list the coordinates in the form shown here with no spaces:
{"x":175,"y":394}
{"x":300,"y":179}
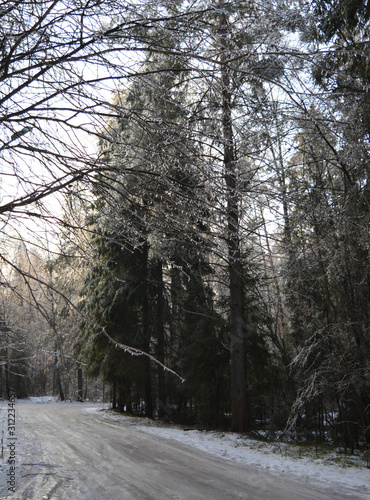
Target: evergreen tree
{"x":150,"y":205}
{"x":328,"y":288}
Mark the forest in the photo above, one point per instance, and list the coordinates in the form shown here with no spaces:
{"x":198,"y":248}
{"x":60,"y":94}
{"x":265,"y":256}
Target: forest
{"x":184,"y":208}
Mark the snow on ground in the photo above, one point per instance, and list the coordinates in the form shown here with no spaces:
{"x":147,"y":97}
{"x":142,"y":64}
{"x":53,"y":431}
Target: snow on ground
{"x":42,"y":399}
{"x":344,"y":473}
{"x":274,"y":458}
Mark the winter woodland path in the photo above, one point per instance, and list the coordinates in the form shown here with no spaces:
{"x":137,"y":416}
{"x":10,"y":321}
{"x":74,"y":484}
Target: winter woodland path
{"x":64,"y":452}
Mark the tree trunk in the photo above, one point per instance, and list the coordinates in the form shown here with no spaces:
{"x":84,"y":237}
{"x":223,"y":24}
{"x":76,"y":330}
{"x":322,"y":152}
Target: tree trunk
{"x":6,"y":375}
{"x":58,"y":380}
{"x":160,"y":336}
{"x":121,"y":397}
{"x":238,"y":382}
{"x":114,"y":395}
{"x":79,"y":385}
{"x":146,"y":336}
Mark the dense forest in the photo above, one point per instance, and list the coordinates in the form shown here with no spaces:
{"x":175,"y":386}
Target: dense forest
{"x":185,"y":210}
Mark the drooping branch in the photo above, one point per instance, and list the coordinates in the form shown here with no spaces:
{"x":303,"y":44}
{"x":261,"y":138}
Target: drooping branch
{"x":134,"y":351}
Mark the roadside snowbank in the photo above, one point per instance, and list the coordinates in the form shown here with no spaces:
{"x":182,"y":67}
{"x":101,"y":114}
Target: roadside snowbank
{"x":273,"y":457}
{"x":276,"y":458}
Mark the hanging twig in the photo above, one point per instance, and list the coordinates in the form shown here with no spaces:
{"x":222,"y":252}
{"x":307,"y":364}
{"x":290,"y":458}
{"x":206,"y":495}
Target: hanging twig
{"x":134,"y":351}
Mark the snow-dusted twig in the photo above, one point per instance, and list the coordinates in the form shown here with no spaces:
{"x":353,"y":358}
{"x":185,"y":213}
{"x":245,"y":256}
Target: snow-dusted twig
{"x":134,"y":351}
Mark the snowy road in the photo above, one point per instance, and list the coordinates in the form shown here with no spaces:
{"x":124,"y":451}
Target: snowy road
{"x":64,"y":452}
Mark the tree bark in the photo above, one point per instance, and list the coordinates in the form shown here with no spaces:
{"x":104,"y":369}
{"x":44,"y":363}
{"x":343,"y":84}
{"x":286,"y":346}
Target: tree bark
{"x":146,"y":336}
{"x":160,"y":336}
{"x":238,"y":382}
{"x":114,"y":395}
{"x":79,"y":384}
{"x":58,"y":380}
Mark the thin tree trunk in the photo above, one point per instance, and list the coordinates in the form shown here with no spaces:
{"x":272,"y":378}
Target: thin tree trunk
{"x":121,"y":396}
{"x":114,"y":395}
{"x":146,"y":337}
{"x":58,"y":380}
{"x":280,"y":309}
{"x":6,"y":375}
{"x":79,"y":384}
{"x":160,"y":336}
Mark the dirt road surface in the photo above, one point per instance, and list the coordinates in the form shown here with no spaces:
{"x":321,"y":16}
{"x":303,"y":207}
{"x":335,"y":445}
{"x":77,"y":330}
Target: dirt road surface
{"x":63,"y":452}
